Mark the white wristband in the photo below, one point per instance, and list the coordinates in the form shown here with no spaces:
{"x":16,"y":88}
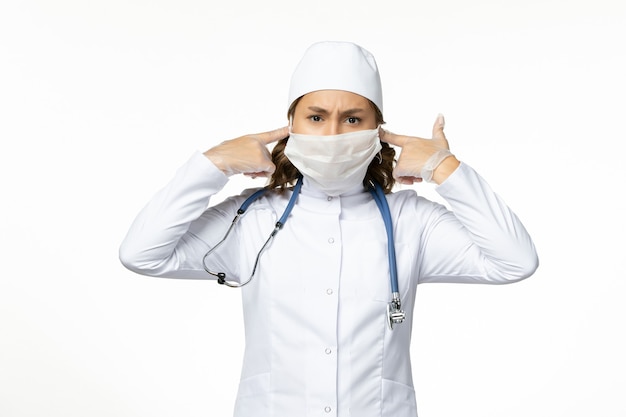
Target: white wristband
{"x":432,"y":163}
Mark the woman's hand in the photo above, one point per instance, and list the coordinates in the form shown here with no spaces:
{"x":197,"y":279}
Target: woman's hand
{"x":422,"y":159}
{"x":247,"y":155}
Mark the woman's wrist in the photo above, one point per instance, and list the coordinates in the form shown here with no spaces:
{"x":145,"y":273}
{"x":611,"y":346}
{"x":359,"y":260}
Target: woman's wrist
{"x":445,"y":169}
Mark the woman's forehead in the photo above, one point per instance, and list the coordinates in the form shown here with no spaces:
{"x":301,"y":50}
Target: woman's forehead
{"x":333,"y":100}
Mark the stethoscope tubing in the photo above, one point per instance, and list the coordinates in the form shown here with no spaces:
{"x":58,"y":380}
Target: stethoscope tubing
{"x":381,"y":201}
{"x":394,"y":312}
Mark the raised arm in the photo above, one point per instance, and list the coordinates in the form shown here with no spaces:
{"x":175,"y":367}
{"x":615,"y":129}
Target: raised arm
{"x":480,"y":240}
{"x":161,"y":240}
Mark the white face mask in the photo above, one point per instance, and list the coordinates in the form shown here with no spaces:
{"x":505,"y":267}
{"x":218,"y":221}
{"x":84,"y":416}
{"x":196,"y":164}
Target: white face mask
{"x":334,"y":163}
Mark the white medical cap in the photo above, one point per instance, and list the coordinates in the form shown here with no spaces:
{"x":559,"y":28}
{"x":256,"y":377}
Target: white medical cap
{"x":337,"y":66}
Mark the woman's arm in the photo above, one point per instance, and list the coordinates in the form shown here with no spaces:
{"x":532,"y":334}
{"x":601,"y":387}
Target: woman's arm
{"x":158,"y":242}
{"x":480,"y":240}
{"x":161,"y":241}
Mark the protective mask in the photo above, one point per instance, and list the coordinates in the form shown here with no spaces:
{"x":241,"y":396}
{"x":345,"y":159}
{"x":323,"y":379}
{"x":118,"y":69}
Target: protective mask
{"x":334,"y":163}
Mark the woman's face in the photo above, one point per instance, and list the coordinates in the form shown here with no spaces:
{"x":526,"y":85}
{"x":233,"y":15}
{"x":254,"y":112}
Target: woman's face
{"x":333,"y":112}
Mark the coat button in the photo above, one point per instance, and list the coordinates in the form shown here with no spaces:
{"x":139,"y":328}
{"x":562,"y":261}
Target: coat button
{"x":328,"y":351}
{"x":331,"y":240}
{"x":329,"y":291}
{"x":327,"y":409}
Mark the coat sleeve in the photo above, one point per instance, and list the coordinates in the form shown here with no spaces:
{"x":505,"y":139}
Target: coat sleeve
{"x":161,"y":240}
{"x":479,"y":240}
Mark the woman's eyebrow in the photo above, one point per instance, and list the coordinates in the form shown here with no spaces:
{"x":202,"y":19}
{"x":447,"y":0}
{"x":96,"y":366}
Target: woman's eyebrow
{"x":318,"y":109}
{"x":351,"y":111}
{"x":343,"y":113}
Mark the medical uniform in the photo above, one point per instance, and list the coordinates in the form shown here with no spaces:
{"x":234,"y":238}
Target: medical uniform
{"x":317,"y":338}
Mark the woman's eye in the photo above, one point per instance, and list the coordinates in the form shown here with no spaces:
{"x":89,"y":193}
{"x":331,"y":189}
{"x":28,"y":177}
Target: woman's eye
{"x":315,"y":118}
{"x":353,"y":120}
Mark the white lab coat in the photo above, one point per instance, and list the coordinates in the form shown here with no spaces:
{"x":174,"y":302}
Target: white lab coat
{"x":317,"y":341}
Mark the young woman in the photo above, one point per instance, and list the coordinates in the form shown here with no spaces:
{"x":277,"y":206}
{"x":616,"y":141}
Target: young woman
{"x":330,"y":258}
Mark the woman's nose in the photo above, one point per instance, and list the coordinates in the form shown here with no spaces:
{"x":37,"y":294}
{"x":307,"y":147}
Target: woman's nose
{"x":332,"y":128}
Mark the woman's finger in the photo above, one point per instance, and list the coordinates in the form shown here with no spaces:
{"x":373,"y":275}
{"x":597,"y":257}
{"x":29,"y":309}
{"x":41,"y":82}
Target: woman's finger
{"x":273,"y":135}
{"x":438,"y":128}
{"x":392,"y":138}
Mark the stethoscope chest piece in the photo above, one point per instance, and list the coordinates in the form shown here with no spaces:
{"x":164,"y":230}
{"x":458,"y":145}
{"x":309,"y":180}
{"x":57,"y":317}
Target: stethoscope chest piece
{"x":395,"y":314}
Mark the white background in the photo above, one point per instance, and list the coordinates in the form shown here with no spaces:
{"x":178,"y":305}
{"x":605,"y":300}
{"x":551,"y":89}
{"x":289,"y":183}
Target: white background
{"x":101,"y":101}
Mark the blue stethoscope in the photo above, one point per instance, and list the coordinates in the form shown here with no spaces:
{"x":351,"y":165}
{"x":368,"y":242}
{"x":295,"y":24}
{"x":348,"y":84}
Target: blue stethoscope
{"x":395,"y":314}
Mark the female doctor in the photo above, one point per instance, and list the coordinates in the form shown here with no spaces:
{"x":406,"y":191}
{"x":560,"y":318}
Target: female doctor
{"x":329,"y":258}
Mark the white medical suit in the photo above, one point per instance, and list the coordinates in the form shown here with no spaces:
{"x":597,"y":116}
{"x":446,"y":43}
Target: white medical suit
{"x":317,"y":338}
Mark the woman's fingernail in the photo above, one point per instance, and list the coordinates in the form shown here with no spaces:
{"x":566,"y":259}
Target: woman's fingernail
{"x":441,"y":120}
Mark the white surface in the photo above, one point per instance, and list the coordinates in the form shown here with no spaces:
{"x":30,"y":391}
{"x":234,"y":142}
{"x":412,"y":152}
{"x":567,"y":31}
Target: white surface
{"x":101,"y":101}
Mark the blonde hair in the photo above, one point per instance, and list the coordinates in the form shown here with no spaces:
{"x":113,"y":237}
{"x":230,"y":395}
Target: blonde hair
{"x":379,"y":170}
